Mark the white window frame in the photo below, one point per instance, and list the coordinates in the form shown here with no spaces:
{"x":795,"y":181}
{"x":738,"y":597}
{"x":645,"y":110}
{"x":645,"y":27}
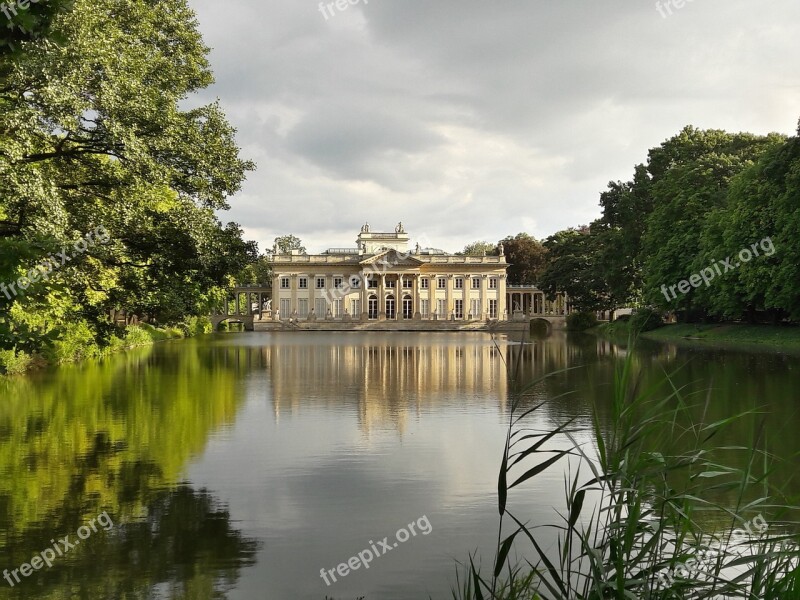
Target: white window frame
{"x":493,"y":283}
{"x":441,"y":283}
{"x":302,"y":283}
{"x":459,"y":283}
{"x":286,"y":283}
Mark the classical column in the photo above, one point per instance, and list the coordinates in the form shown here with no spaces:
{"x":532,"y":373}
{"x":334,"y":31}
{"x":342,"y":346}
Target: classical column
{"x":293,"y":304}
{"x":448,"y":289}
{"x":416,"y":297}
{"x":501,"y":295}
{"x":363,"y":293}
{"x":484,"y":297}
{"x":382,"y":298}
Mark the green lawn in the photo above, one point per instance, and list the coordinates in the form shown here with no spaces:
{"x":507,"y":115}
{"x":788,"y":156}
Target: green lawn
{"x":730,"y":333}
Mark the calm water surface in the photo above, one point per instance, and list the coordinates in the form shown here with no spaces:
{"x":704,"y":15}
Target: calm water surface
{"x":239,"y":465}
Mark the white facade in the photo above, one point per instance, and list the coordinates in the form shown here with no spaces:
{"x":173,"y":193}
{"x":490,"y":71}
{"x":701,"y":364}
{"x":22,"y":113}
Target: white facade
{"x":383,"y":279}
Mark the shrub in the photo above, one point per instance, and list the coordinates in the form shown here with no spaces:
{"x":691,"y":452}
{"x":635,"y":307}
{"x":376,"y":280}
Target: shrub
{"x":645,"y":319}
{"x":581,"y":321}
{"x":75,"y":342}
{"x":14,"y":362}
{"x":193,"y":326}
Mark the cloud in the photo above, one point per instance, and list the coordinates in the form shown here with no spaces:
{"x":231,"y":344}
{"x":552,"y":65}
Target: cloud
{"x":472,"y":120}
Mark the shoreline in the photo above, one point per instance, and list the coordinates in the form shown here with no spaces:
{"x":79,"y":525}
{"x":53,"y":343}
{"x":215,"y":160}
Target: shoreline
{"x":729,"y":335}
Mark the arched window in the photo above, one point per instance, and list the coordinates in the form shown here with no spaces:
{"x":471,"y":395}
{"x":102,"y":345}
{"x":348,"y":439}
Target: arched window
{"x":372,"y":307}
{"x":390,"y":307}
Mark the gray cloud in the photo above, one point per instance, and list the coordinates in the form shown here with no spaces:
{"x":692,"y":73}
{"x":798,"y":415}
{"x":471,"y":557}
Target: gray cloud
{"x":470,"y":119}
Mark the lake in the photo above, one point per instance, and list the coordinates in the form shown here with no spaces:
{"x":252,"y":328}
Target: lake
{"x":240,"y":465}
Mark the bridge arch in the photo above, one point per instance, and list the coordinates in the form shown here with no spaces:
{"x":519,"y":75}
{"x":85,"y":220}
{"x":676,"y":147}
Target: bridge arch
{"x":537,"y":324}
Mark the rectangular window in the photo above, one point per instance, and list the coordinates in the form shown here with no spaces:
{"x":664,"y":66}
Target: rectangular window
{"x":355,"y":309}
{"x":492,"y":309}
{"x":303,"y":285}
{"x":372,"y":283}
{"x":338,"y":283}
{"x":441,"y":308}
{"x":321,"y":307}
{"x":284,"y":283}
{"x":407,"y":283}
{"x":355,"y":282}
{"x":286,"y":308}
{"x":320,"y":283}
{"x":459,"y":309}
{"x":459,"y":283}
{"x":424,"y":283}
{"x":390,"y":283}
{"x":424,"y":308}
{"x":476,"y":283}
{"x":475,"y":308}
{"x":302,"y":308}
{"x":338,"y":307}
{"x":493,"y":283}
{"x":441,"y":283}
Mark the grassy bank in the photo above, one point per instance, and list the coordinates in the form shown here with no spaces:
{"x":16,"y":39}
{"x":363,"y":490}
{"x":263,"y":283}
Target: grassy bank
{"x":721,"y":333}
{"x":80,"y":343}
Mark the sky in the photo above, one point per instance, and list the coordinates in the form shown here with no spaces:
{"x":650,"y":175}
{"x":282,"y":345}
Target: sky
{"x":471,"y":120}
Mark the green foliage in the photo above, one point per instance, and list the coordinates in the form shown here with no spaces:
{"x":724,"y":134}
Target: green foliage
{"x":35,"y":22}
{"x":14,"y":362}
{"x":642,"y":497}
{"x":527,"y":258}
{"x":581,"y":321}
{"x":703,"y":196}
{"x":286,"y":243}
{"x":75,"y":342}
{"x":574,"y":267}
{"x":95,"y":134}
{"x":480,"y":248}
{"x":645,"y":319}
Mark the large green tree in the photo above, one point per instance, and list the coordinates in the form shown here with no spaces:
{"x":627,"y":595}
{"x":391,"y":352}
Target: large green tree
{"x":95,"y":132}
{"x":527,"y":258}
{"x":690,"y":178}
{"x":574,"y":257}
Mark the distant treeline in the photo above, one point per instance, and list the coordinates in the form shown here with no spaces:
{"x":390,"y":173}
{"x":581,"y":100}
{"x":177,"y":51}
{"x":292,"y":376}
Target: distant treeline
{"x":708,"y":228}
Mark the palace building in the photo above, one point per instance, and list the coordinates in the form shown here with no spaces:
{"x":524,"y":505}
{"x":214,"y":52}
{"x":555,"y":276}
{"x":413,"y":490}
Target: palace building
{"x":384,"y":279}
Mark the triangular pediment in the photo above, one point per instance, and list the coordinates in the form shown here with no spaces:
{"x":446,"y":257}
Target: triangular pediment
{"x":392,"y":258}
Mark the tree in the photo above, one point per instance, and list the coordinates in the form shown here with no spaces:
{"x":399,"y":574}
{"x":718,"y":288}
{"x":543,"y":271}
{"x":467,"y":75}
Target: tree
{"x":286,"y":243}
{"x":573,"y":267}
{"x":34,"y":21}
{"x":479,"y":248}
{"x":691,"y":174}
{"x":93,"y":133}
{"x":527,"y":258}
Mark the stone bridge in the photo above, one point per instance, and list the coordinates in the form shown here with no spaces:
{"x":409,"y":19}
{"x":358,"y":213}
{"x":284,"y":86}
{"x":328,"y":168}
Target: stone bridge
{"x":248,"y":305}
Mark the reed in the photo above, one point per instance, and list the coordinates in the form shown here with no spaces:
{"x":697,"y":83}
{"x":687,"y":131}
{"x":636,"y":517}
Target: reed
{"x":647,"y":496}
